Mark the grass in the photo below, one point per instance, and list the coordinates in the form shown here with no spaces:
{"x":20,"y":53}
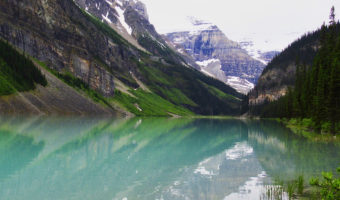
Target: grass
{"x":219,"y":93}
{"x":184,"y":87}
{"x":272,"y":192}
{"x":148,"y":104}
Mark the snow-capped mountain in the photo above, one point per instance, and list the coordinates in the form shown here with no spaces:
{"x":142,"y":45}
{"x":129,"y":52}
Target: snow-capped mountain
{"x":130,"y":19}
{"x":217,"y":55}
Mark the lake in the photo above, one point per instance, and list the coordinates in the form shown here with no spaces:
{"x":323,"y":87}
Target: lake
{"x":152,"y":158}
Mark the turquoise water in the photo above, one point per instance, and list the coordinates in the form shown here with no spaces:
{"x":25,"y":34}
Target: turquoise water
{"x":151,"y":158}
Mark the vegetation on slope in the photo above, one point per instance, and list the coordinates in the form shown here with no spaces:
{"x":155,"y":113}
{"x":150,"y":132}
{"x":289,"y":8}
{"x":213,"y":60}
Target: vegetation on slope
{"x":173,"y":82}
{"x":301,"y":51}
{"x":316,"y":92}
{"x":142,"y":103}
{"x":17,"y":73}
{"x":191,"y":89}
{"x":77,"y":84}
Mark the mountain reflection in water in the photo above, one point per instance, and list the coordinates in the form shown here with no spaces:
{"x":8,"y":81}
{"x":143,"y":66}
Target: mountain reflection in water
{"x":151,"y":158}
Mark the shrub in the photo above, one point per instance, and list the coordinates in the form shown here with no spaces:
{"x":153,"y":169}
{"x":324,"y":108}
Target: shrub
{"x":329,"y":186}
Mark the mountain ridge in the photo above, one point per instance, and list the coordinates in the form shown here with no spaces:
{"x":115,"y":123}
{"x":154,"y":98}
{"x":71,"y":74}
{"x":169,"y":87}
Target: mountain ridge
{"x":151,"y":79}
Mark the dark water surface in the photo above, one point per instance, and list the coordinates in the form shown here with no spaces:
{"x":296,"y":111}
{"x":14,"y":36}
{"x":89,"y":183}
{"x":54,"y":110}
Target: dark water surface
{"x":152,"y":158}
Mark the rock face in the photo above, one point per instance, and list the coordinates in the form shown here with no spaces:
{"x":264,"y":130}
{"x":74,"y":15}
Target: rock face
{"x":209,"y":46}
{"x":57,"y":33}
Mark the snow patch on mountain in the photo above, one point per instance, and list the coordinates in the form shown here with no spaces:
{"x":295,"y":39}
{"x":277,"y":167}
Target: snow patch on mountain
{"x":213,"y":68}
{"x":258,"y":54}
{"x":252,"y":51}
{"x":240,"y":84}
{"x":109,"y":2}
{"x":121,"y":18}
{"x":205,"y":63}
{"x":105,"y":17}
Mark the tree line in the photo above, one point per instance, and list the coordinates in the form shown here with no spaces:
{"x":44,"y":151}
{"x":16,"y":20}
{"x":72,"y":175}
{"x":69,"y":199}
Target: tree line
{"x":17,"y":71}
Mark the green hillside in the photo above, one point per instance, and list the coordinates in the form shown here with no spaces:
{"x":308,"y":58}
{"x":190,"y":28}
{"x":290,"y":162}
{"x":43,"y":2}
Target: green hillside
{"x":182,"y":87}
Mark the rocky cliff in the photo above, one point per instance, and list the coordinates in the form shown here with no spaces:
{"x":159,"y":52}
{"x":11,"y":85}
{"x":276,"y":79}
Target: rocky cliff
{"x":57,"y":32}
{"x":217,"y":55}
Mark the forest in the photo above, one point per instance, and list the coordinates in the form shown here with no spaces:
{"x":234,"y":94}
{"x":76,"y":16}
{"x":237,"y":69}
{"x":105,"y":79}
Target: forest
{"x":316,"y":93}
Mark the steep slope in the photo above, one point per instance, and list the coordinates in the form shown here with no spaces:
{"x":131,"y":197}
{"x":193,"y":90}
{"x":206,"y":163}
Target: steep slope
{"x":217,"y":55}
{"x":57,"y":98}
{"x":70,"y":39}
{"x":279,"y":74}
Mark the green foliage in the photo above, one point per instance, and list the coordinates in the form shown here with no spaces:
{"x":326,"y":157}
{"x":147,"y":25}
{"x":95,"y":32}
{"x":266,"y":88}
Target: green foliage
{"x":329,"y":186}
{"x":300,"y":184}
{"x":17,"y":72}
{"x":290,"y":188}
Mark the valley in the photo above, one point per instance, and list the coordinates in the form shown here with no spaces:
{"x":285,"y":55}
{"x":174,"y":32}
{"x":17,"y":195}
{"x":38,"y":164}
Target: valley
{"x":121,"y":100}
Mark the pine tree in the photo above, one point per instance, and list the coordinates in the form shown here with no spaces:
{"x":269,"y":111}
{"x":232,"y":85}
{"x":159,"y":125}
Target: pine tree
{"x":332,"y":16}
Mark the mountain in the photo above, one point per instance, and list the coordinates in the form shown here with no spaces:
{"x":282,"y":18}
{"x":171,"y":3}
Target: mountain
{"x":279,"y":74}
{"x":217,"y":55}
{"x":109,"y":51}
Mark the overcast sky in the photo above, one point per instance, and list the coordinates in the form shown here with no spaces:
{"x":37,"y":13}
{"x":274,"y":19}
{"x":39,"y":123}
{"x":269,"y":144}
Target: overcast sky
{"x":272,"y":24}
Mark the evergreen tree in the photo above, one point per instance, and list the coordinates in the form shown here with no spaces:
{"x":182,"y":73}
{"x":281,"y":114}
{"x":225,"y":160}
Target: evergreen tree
{"x":332,"y":16}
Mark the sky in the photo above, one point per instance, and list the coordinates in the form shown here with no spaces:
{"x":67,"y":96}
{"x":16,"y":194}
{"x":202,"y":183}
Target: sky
{"x":271,"y":24}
